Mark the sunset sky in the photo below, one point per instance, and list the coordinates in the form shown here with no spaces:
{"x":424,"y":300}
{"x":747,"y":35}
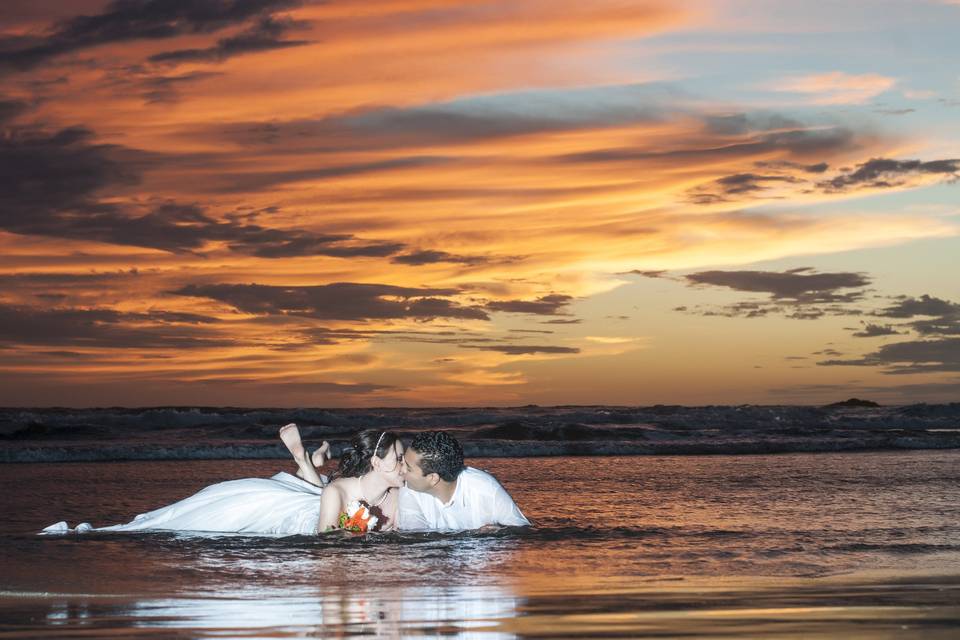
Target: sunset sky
{"x":426,"y":202}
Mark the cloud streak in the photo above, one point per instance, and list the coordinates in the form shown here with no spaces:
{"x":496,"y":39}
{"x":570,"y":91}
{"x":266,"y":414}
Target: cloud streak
{"x":916,"y":356}
{"x":836,"y":87}
{"x":338,"y":301}
{"x":128,"y":20}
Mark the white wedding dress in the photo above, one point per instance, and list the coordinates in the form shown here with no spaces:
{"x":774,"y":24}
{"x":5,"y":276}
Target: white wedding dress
{"x":281,"y":505}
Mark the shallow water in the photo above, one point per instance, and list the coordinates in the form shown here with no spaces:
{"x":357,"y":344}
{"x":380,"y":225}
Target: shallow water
{"x":849,"y":545}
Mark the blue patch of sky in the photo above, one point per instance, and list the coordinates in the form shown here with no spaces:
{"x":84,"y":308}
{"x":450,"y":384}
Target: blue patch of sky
{"x":912,"y":44}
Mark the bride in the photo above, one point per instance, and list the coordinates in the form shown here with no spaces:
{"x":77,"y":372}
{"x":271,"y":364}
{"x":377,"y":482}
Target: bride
{"x":370,"y":472}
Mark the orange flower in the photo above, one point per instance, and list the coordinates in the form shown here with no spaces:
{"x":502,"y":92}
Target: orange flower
{"x":360,"y":521}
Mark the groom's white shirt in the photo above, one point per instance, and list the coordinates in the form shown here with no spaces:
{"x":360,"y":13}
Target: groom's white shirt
{"x":478,"y":500}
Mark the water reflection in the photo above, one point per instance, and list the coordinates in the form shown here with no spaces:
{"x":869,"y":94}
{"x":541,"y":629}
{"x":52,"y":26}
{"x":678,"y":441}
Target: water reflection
{"x":394,"y":612}
{"x":876,"y":608}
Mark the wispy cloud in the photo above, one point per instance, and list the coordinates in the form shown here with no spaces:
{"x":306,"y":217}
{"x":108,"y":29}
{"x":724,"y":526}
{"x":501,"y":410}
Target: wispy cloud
{"x":836,"y":87}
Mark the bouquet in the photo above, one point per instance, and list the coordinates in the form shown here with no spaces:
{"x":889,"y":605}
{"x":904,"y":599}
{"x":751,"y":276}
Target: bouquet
{"x":358,"y":518}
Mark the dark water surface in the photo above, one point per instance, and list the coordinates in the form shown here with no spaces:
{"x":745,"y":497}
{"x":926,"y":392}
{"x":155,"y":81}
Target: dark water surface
{"x":219,"y":433}
{"x":863,"y":545}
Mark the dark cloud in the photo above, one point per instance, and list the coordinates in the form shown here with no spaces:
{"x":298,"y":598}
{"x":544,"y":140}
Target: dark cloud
{"x":46,"y":172}
{"x":563,"y":321}
{"x":645,"y":273}
{"x":53,"y":183}
{"x":747,"y":182}
{"x":803,"y":294}
{"x":753,"y":184}
{"x":943,"y":326}
{"x":265,"y":35}
{"x":549,"y":305}
{"x":819,"y":167}
{"x":918,"y":356}
{"x":925,"y":305}
{"x":797,"y":286}
{"x":287,"y":243}
{"x":742,"y":309}
{"x":126,"y":20}
{"x":518,"y":350}
{"x":530,"y":331}
{"x":788,"y":309}
{"x":806,"y":314}
{"x":432,"y":257}
{"x":828,"y":352}
{"x":10,"y":109}
{"x":875,"y":330}
{"x":338,"y":301}
{"x":104,"y":328}
{"x":942,"y":316}
{"x":884,"y":172}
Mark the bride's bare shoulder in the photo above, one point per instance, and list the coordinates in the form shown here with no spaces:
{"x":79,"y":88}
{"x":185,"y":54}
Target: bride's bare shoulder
{"x":341,"y":487}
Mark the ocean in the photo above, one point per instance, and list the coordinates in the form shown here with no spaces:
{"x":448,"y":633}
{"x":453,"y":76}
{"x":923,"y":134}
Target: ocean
{"x":198,"y":433}
{"x":846,"y":528}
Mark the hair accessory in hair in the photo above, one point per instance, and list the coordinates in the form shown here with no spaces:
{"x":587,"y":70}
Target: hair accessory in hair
{"x":379,"y":440}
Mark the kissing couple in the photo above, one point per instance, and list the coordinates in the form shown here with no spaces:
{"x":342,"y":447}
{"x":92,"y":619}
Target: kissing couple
{"x":378,"y":485}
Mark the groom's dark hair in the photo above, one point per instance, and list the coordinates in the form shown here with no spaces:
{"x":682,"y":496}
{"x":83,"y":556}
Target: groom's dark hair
{"x":440,"y":453}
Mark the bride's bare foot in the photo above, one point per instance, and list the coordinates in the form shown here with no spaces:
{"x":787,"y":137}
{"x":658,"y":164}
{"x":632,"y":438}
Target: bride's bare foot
{"x":290,"y":435}
{"x":321,"y":455}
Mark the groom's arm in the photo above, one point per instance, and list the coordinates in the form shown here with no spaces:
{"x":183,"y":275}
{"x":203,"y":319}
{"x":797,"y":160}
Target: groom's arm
{"x":506,"y":512}
{"x":410,"y":516}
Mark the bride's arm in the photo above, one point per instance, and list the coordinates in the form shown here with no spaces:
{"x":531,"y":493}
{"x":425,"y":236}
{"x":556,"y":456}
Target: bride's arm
{"x":331,"y":506}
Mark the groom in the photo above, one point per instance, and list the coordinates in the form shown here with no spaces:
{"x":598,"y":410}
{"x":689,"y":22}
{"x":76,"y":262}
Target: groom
{"x":442,"y":494}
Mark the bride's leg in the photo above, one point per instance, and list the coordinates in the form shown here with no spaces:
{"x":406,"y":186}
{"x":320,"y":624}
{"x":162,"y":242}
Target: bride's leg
{"x":318,"y":458}
{"x":290,"y":435}
{"x":321,"y":455}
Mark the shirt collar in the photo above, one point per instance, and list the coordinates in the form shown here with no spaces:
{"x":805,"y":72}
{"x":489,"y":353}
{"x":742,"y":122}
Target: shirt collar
{"x":453,"y":498}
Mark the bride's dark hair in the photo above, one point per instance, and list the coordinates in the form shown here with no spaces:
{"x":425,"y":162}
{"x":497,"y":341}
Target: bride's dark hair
{"x":355,"y":458}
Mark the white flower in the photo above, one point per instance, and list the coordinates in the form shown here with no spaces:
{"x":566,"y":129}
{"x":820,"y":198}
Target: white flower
{"x":352,"y":508}
{"x":372,"y":522}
